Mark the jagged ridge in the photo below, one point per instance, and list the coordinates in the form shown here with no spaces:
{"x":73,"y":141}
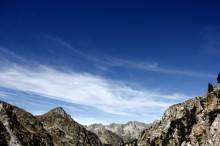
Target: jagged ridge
{"x":18,"y":127}
{"x":194,"y":122}
{"x":127,"y":132}
{"x":65,"y":131}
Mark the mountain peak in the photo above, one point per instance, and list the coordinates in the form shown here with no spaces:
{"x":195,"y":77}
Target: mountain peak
{"x":55,"y":113}
{"x":59,"y":111}
{"x":132,"y":122}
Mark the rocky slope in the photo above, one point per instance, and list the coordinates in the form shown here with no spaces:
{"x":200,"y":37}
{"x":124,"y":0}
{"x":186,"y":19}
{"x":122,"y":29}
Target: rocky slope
{"x":194,"y":122}
{"x":65,"y":131}
{"x":18,"y":127}
{"x":106,"y":136}
{"x":127,"y":132}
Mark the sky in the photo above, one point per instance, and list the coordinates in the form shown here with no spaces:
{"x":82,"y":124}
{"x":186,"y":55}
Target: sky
{"x":107,"y":61}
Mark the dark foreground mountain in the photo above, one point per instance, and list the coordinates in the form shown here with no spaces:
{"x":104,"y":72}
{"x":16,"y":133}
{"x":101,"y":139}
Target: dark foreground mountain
{"x":18,"y":127}
{"x":65,"y":131}
{"x":192,"y":123}
{"x":127,"y":132}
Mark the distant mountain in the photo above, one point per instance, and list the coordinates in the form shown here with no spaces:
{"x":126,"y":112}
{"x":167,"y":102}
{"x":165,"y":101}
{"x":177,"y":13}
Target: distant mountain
{"x":19,"y":127}
{"x":192,"y":123}
{"x":106,"y":136}
{"x":127,"y":132}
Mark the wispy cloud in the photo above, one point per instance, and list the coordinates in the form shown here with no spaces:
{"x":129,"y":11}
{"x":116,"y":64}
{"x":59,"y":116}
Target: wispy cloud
{"x":11,"y":54}
{"x":5,"y":95}
{"x":2,"y":94}
{"x":71,"y":48}
{"x":145,"y":66}
{"x":153,"y":66}
{"x":84,"y":89}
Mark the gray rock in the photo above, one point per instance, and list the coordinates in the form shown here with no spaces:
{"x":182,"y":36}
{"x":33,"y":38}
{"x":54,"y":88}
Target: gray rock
{"x":194,"y":122}
{"x":128,"y":132}
{"x":106,"y":136}
{"x":18,"y":127}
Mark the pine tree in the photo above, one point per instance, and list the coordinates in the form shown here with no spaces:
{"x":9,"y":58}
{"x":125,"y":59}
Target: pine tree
{"x":218,"y":78}
{"x":210,"y":87}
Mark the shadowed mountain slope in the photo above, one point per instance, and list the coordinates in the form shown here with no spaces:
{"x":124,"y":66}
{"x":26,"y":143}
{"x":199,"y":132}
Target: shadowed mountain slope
{"x":19,"y":127}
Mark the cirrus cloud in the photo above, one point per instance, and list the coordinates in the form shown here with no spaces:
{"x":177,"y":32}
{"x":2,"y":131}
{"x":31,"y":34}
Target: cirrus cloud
{"x":86,"y":89}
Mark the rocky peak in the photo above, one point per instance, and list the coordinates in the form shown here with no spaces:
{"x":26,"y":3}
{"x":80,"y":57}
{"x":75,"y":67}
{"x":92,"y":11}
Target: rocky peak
{"x":135,"y":123}
{"x":59,"y":111}
{"x":65,"y":130}
{"x":131,"y":123}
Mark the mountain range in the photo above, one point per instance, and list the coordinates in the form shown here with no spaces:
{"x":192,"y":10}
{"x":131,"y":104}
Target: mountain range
{"x":127,"y":132}
{"x":194,"y":122}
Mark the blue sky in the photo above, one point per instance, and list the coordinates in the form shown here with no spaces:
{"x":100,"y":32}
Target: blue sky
{"x":107,"y":61}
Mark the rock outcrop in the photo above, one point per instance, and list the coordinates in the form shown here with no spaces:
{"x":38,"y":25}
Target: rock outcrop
{"x":128,"y":132}
{"x":194,"y":122}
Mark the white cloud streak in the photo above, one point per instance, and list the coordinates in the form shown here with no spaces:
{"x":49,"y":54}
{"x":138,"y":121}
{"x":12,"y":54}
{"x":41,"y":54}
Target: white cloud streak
{"x":84,"y":89}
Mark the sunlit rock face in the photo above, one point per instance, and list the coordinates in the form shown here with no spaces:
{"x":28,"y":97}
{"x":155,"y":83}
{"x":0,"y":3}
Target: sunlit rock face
{"x":194,"y":122}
